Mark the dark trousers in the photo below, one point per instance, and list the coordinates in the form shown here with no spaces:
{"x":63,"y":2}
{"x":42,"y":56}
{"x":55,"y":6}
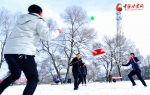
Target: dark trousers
{"x":138,"y":73}
{"x":16,"y":65}
{"x":77,"y":79}
{"x":84,"y":78}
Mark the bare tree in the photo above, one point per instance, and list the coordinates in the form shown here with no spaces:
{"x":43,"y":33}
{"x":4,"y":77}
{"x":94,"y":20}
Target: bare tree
{"x":145,"y":67}
{"x":46,"y":70}
{"x":147,"y":61}
{"x":93,"y":72}
{"x":117,"y":50}
{"x":3,"y":13}
{"x":107,"y":60}
{"x":51,"y":48}
{"x":7,"y":22}
{"x":43,"y":70}
{"x":76,"y":35}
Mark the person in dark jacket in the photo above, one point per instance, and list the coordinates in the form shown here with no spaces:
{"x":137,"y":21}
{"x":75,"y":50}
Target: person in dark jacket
{"x":76,"y":64}
{"x":134,"y":61}
{"x":84,"y":73}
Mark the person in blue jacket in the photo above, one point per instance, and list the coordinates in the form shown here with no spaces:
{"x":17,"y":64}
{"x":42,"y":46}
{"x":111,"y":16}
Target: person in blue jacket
{"x":134,"y":61}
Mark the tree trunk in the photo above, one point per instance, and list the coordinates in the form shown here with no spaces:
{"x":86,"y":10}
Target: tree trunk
{"x":119,"y":71}
{"x":57,"y":71}
{"x":68,"y":68}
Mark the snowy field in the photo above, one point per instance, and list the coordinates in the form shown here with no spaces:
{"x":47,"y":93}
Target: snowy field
{"x":118,"y":88}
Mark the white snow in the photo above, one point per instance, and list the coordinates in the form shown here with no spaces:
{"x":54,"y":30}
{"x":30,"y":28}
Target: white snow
{"x":97,"y":88}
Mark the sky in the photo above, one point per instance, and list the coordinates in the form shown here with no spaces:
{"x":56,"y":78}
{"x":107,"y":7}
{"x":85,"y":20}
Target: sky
{"x":96,"y":88}
{"x":135,"y":24}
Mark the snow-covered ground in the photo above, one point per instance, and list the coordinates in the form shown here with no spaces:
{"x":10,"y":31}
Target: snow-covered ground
{"x":118,"y":88}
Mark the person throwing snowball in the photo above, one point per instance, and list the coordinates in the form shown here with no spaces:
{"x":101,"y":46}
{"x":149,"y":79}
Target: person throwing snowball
{"x":134,"y":61}
{"x":20,"y":48}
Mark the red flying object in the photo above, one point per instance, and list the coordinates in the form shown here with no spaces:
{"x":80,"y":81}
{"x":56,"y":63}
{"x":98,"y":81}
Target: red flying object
{"x":98,"y":51}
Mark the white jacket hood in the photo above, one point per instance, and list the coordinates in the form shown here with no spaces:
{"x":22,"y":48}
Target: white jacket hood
{"x":27,"y":17}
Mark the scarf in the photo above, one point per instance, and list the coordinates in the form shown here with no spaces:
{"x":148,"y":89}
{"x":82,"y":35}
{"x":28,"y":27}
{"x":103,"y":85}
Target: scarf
{"x":131,"y":58}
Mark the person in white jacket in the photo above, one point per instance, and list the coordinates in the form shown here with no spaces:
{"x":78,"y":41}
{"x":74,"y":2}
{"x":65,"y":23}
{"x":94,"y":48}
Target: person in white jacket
{"x":20,"y":48}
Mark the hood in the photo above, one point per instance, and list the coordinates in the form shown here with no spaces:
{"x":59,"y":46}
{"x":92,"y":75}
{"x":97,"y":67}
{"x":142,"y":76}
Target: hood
{"x":27,"y":17}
